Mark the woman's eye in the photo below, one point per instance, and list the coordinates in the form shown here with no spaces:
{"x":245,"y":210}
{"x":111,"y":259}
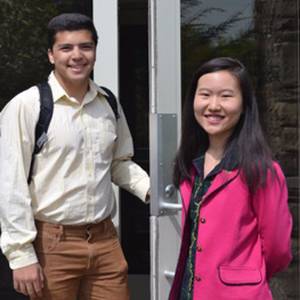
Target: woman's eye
{"x":204,"y":94}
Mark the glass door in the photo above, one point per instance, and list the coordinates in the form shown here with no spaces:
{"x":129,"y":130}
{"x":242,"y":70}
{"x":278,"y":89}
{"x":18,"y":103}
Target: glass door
{"x":122,"y":65}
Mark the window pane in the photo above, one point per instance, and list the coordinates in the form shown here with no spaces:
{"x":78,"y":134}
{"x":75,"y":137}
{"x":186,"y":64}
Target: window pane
{"x":263,"y":34}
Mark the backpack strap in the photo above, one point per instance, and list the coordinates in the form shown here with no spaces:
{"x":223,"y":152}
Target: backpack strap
{"x":46,"y":111}
{"x":112,"y":101}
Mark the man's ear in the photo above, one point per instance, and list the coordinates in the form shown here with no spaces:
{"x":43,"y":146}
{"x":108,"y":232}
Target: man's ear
{"x":50,"y":56}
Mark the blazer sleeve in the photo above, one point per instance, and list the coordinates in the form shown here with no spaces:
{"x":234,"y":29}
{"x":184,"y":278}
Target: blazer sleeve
{"x":274,"y":222}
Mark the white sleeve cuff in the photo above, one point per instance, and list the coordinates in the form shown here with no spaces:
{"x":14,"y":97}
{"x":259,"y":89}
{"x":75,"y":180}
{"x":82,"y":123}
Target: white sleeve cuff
{"x":22,"y":258}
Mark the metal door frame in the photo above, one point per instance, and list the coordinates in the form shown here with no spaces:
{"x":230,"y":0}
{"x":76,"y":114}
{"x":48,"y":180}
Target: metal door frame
{"x":165,"y":116}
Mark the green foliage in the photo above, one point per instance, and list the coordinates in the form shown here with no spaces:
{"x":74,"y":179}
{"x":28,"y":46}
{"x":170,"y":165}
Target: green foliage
{"x":23,"y":44}
{"x":23,"y":41}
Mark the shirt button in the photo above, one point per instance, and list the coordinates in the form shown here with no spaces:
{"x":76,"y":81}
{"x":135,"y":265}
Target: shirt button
{"x":198,"y":278}
{"x":202,"y":220}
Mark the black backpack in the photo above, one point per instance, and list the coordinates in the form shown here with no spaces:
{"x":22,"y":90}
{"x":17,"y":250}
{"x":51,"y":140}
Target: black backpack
{"x":46,"y":111}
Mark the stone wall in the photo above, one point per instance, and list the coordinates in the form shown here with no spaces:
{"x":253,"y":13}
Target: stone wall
{"x":276,"y":26}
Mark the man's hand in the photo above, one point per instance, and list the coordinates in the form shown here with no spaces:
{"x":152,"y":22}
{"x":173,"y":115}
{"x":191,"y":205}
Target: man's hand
{"x":29,"y":280}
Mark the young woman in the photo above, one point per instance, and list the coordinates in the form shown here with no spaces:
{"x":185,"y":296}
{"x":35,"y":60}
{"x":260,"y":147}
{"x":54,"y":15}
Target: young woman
{"x":236,"y":221}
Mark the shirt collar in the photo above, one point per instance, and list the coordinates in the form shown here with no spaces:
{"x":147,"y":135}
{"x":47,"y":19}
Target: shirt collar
{"x":228,"y":163}
{"x":198,"y":164}
{"x":58,"y":92}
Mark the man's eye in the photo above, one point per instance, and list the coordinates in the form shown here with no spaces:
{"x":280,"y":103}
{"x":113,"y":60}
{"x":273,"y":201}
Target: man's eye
{"x":226,"y":95}
{"x":66,"y":48}
{"x":87,"y":47}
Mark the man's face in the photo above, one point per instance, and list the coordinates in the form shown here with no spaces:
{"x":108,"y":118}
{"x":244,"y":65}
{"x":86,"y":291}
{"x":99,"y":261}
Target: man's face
{"x":73,"y":55}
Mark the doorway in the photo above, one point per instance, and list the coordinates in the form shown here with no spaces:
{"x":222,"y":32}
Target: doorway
{"x":134,"y":97}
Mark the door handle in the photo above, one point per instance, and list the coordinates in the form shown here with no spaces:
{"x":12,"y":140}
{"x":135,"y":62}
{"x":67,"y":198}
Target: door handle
{"x":169,"y":190}
{"x":169,"y":274}
{"x":171,"y":206}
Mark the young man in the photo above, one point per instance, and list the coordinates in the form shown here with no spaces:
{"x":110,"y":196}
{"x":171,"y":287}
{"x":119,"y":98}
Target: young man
{"x":57,"y":232}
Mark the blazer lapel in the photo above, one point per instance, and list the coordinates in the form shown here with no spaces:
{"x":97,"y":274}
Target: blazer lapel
{"x":221,"y":180}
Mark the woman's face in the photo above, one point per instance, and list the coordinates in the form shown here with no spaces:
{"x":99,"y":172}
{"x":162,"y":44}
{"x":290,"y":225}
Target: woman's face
{"x":218,"y":104}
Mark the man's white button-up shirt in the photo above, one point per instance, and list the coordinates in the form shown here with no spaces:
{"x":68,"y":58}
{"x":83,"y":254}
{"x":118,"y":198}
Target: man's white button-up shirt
{"x":86,"y":150}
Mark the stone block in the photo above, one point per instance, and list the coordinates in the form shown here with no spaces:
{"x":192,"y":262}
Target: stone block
{"x":294,"y":209}
{"x":285,"y":285}
{"x":287,"y":114}
{"x":288,"y":162}
{"x":290,"y":139}
{"x":289,"y":62}
{"x":286,"y":8}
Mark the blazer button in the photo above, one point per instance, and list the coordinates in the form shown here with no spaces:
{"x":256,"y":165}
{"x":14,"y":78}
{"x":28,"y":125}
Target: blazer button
{"x":198,"y":278}
{"x":199,"y":248}
{"x":202,"y":220}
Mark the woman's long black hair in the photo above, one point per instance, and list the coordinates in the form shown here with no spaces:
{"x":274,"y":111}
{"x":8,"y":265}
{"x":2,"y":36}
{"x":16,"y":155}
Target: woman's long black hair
{"x":253,"y":155}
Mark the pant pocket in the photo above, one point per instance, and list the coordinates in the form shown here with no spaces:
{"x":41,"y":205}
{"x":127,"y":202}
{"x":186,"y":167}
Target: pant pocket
{"x":46,"y":242}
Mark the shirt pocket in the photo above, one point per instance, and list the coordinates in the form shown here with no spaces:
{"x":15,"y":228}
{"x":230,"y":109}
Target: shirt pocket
{"x":103,"y":140}
{"x":239,"y":275}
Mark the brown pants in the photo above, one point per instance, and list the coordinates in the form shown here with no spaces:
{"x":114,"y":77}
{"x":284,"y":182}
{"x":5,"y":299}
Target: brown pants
{"x":82,"y":262}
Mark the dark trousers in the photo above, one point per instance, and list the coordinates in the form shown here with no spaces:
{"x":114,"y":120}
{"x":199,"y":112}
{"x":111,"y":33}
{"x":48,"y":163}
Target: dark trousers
{"x":7,"y":291}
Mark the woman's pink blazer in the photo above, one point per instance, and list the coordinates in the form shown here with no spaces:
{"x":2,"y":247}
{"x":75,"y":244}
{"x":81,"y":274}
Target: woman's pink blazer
{"x":242,"y":241}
